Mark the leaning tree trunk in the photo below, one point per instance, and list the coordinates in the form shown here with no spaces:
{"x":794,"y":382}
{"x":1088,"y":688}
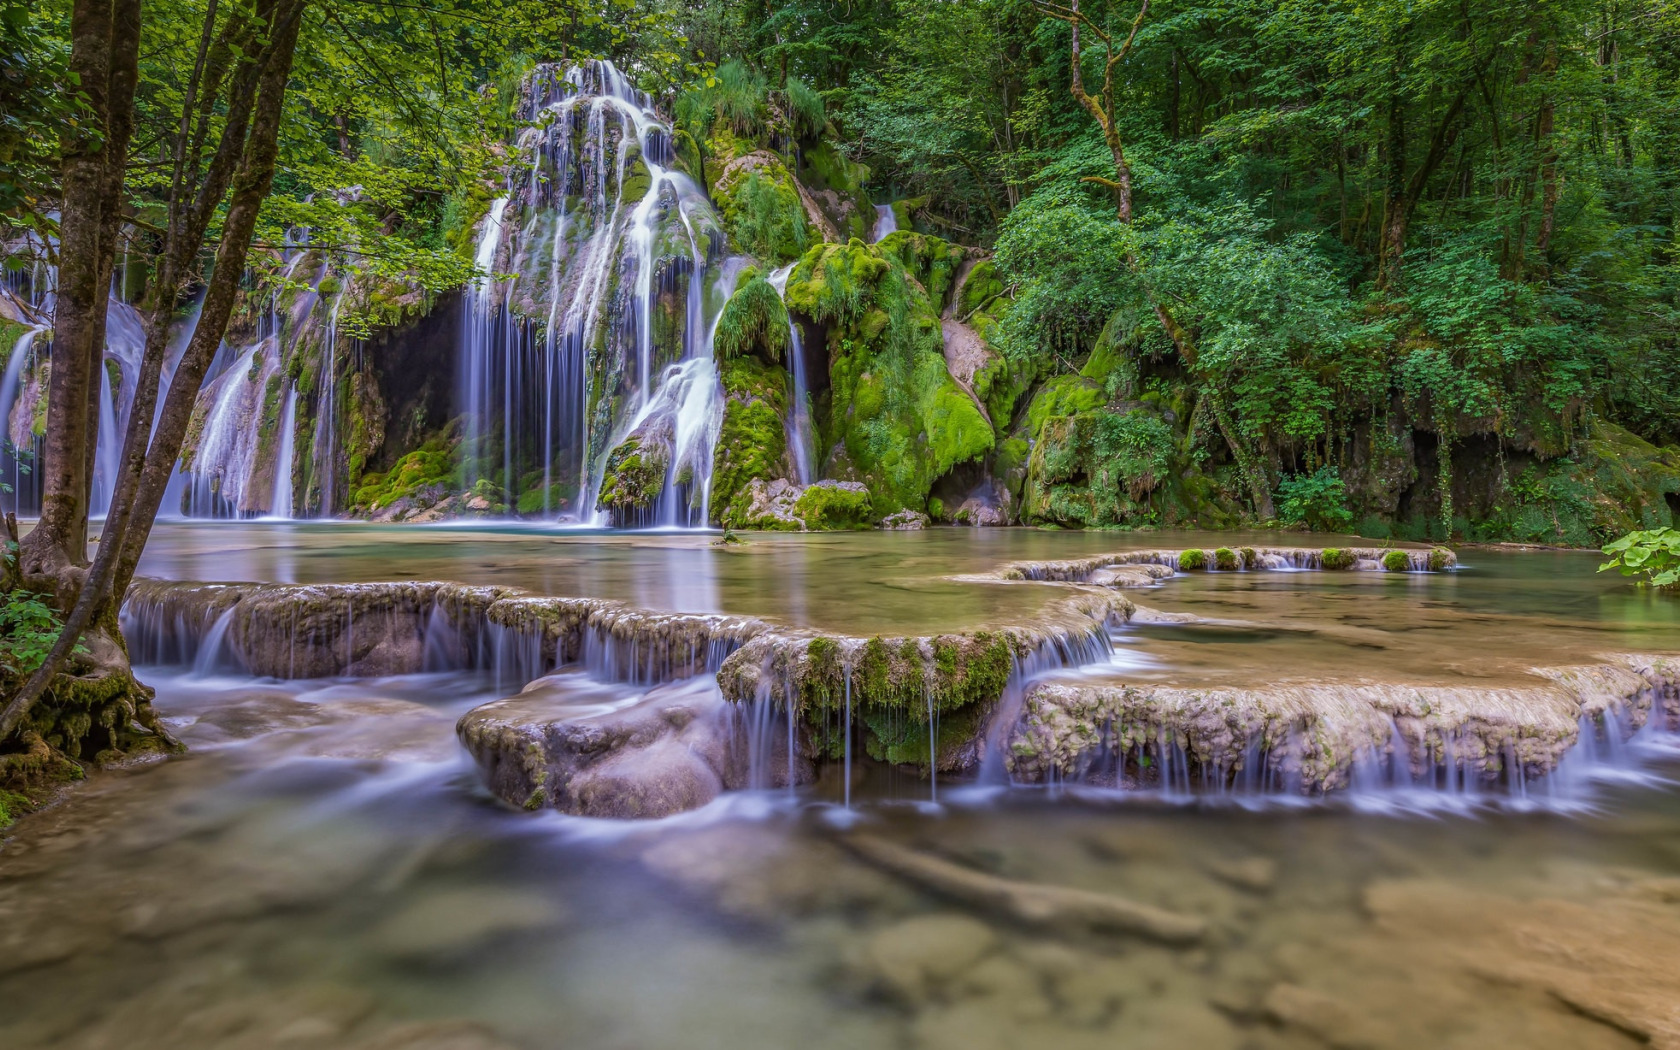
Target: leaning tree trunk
{"x":91,"y":637}
{"x":105,"y":51}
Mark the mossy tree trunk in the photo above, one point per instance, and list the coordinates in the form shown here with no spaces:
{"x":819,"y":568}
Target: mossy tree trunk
{"x":83,"y":697}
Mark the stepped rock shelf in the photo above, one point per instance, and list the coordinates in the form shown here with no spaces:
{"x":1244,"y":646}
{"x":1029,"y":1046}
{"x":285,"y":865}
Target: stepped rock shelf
{"x":625,"y":712}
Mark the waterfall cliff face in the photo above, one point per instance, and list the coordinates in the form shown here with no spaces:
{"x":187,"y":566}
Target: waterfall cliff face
{"x":29,"y":296}
{"x":586,"y":379}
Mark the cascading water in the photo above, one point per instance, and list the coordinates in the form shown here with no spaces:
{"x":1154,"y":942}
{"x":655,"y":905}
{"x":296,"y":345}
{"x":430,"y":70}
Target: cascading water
{"x":603,"y":330}
{"x":324,"y":452}
{"x":886,"y":222}
{"x":280,"y":504}
{"x":800,"y":429}
{"x":23,"y":391}
{"x":222,"y":473}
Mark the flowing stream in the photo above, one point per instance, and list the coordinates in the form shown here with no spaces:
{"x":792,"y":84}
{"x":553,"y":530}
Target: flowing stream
{"x":326,"y":864}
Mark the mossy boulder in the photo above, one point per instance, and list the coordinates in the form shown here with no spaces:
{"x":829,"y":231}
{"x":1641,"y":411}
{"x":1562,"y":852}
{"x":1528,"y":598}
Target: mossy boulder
{"x":752,"y":440}
{"x":1192,"y":560}
{"x":424,"y":475}
{"x":933,"y":262}
{"x":899,"y":421}
{"x":1067,"y":395}
{"x":833,"y":505}
{"x":1225,"y":560}
{"x":754,"y":321}
{"x":1397,"y":561}
{"x":1337,"y":559}
{"x":636,"y":472}
{"x":836,"y":185}
{"x":758,"y":200}
{"x":1098,"y":468}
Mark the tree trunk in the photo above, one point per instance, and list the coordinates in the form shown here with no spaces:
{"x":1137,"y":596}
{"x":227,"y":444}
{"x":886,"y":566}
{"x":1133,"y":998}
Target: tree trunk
{"x":256,"y":102}
{"x":105,"y":43}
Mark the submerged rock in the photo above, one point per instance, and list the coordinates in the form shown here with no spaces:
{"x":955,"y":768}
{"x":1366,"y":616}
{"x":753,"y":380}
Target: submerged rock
{"x":925,"y":701}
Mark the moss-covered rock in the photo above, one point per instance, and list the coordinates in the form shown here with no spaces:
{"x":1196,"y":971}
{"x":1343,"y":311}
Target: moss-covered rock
{"x":898,"y":420}
{"x":752,"y":441}
{"x":836,"y":185}
{"x":933,"y":262}
{"x":1396,"y":561}
{"x":1098,"y":468}
{"x":1192,"y":560}
{"x":754,"y":321}
{"x":1337,"y":559}
{"x":1225,"y":560}
{"x":636,"y":472}
{"x":834,"y":505}
{"x":421,"y":477}
{"x":758,"y":200}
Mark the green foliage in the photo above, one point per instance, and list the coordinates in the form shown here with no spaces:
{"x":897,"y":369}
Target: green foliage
{"x":754,"y":320}
{"x":752,"y":440}
{"x":1653,"y":555}
{"x":1317,"y":500}
{"x":807,"y":114}
{"x":1337,"y":559}
{"x":735,"y":96}
{"x":1396,"y":561}
{"x":1192,"y":560}
{"x":32,"y":66}
{"x":827,"y":506}
{"x":29,"y":628}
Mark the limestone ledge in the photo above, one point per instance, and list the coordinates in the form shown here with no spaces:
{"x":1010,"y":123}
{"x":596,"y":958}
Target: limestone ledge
{"x":1317,"y":738}
{"x":372,"y":629}
{"x":925,"y":700}
{"x":1140,"y":568}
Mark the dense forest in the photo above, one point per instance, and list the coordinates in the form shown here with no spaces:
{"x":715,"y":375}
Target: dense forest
{"x":1402,"y":268}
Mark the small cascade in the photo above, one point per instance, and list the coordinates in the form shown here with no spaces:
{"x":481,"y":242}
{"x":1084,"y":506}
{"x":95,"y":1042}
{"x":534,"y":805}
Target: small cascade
{"x":23,"y":391}
{"x":22,"y":446}
{"x":233,"y":430}
{"x":280,"y":503}
{"x":600,"y":328}
{"x":801,"y":431}
{"x":324,"y":450}
{"x":886,"y":222}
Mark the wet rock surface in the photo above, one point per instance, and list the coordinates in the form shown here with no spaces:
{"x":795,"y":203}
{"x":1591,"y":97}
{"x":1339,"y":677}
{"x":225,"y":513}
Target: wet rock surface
{"x":1316,"y":739}
{"x":574,"y":746}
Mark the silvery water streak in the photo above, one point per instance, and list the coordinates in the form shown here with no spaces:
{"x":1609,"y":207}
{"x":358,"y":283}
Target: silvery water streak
{"x":603,"y":322}
{"x":886,"y":222}
{"x":800,"y":430}
{"x":224,"y":465}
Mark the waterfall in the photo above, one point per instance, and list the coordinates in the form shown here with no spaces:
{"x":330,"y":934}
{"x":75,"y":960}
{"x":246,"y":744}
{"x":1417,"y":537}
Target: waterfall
{"x":280,"y":504}
{"x":324,"y":451}
{"x":222,"y":471}
{"x":21,"y":445}
{"x":886,"y":221}
{"x":800,"y":430}
{"x":603,"y":327}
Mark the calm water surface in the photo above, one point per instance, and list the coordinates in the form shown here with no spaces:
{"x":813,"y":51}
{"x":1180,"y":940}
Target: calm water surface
{"x":323,"y":869}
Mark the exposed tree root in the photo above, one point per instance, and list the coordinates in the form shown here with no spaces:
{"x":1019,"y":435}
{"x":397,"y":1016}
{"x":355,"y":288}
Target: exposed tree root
{"x":1031,"y":904}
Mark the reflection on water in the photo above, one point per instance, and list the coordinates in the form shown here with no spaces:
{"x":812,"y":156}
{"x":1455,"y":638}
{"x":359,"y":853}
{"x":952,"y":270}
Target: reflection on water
{"x":323,"y":868}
